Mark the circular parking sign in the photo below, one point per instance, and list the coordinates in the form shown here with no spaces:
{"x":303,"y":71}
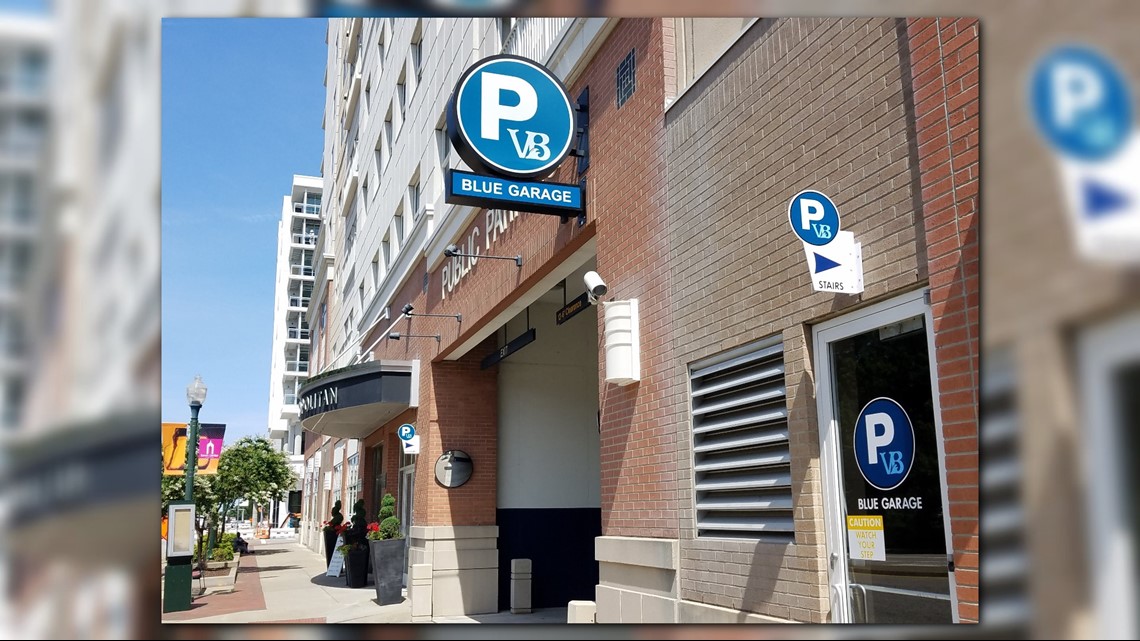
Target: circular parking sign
{"x":511,"y":116}
{"x":1081,"y":103}
{"x":814,"y":217}
{"x":406,"y":432}
{"x":884,"y":443}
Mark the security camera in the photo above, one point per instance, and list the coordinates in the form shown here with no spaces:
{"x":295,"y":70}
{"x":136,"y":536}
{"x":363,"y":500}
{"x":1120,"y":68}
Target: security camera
{"x":450,"y":250}
{"x":594,"y":284}
{"x":408,"y":308}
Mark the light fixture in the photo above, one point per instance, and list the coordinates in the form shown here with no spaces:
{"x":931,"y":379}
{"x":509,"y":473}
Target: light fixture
{"x":395,"y":336}
{"x":452,"y":251}
{"x":408,"y":312}
{"x":196,"y":391}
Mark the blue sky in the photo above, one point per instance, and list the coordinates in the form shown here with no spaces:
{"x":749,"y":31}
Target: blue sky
{"x":241,"y":113}
{"x":38,"y":7}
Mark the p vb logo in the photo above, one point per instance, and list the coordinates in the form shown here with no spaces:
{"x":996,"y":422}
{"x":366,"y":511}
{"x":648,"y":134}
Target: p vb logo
{"x":1081,"y":103}
{"x":511,"y":116}
{"x":814,"y":217}
{"x":884,"y":443}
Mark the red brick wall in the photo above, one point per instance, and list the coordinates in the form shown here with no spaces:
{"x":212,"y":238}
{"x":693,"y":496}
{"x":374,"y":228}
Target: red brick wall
{"x":464,"y":415}
{"x":639,"y":453}
{"x":945,"y":72}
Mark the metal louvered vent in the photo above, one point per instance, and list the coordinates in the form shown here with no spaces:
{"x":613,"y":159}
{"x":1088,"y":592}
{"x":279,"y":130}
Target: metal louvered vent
{"x":741,"y":461}
{"x":1005,"y":567}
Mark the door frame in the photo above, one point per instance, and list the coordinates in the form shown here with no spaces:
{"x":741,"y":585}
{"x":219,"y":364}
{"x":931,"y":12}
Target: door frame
{"x":405,"y":509}
{"x":1102,"y":349}
{"x":859,"y":321}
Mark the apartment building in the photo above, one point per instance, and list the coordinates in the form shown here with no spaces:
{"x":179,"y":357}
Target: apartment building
{"x":711,"y":478}
{"x":297,"y":233}
{"x":25,"y":43}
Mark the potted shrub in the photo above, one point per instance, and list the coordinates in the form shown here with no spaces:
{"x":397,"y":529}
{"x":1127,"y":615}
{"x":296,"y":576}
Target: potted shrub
{"x":387,"y":547}
{"x":356,"y":554}
{"x":332,"y":528}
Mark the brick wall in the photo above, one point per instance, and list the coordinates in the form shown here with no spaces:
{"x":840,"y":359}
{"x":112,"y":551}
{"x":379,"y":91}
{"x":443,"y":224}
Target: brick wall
{"x":794,"y":104}
{"x":464,"y":415}
{"x":639,"y":453}
{"x":945,"y":73}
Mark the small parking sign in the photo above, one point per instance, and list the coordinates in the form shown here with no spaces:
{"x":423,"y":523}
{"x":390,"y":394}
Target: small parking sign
{"x":814,"y":218}
{"x":406,"y":432}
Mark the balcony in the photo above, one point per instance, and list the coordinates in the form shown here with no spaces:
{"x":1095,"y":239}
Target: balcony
{"x":297,"y":368}
{"x":303,"y":271}
{"x":312,"y":210}
{"x":289,"y":410}
{"x":298,"y":333}
{"x":309,"y":239}
{"x":534,"y":38}
{"x":299,"y":302}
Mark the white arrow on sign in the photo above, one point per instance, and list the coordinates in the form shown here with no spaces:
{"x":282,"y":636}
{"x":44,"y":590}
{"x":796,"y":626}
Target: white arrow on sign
{"x":836,"y":266}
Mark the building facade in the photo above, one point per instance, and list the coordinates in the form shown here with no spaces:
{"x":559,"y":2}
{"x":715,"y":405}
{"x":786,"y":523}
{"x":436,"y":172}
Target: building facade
{"x":712,"y":481}
{"x":25,"y":44}
{"x":297,"y":233}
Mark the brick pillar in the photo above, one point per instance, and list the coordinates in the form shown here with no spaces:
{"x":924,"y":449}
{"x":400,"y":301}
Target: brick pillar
{"x":945,"y":80}
{"x":462,"y":412}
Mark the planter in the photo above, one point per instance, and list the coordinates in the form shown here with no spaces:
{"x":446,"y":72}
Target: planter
{"x":330,"y":545}
{"x":388,"y":569}
{"x":356,"y":566}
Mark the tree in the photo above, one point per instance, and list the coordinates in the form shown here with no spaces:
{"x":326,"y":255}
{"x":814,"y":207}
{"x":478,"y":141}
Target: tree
{"x":253,"y":469}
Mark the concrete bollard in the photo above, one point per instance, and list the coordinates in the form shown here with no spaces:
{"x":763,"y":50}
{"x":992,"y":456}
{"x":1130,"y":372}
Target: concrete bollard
{"x":581,"y":612}
{"x":419,"y":592}
{"x":520,"y":586}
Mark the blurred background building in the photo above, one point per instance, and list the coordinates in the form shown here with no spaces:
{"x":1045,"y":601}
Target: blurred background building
{"x":297,"y":233}
{"x":24,"y":51}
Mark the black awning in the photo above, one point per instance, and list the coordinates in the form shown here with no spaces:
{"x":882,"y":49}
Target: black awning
{"x":355,"y":401}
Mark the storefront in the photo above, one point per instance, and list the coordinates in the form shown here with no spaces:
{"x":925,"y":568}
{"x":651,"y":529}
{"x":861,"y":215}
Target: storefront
{"x":694,"y":433}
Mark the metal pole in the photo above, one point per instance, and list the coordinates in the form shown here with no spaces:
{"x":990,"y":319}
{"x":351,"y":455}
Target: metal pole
{"x":192,"y":451}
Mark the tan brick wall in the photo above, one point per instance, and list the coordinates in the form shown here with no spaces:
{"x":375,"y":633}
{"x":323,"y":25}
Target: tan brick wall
{"x":794,"y":104}
{"x":945,"y":70}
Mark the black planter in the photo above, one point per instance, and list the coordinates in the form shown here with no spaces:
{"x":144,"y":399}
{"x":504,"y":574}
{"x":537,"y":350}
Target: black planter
{"x":330,"y":545}
{"x":388,"y":569}
{"x":357,"y":567}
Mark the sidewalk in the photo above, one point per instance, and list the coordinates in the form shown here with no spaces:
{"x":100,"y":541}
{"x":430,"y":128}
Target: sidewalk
{"x":283,"y":582}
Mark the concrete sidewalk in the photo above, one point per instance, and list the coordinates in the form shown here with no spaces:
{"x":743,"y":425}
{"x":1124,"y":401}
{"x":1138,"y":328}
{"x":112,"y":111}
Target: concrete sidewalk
{"x":291,"y":583}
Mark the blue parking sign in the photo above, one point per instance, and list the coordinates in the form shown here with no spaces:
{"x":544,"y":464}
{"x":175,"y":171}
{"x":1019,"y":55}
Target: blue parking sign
{"x":1081,"y":103}
{"x":884,"y":443}
{"x":406,"y":432}
{"x":814,"y":217}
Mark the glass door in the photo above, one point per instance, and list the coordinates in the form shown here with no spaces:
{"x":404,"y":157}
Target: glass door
{"x":404,"y":507}
{"x":888,"y":533}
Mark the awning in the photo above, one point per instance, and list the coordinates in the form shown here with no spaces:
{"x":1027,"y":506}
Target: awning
{"x":355,"y":401}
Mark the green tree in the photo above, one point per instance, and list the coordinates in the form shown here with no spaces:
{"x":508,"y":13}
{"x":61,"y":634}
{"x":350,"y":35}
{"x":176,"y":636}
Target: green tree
{"x":251,"y":468}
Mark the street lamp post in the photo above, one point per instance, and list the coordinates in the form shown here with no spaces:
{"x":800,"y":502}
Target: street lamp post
{"x":179,"y":573}
{"x":196,"y":395}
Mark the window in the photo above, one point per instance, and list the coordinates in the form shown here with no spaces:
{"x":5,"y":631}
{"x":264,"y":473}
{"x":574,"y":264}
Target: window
{"x":360,"y":294}
{"x":443,"y":148}
{"x":417,"y":49}
{"x":324,"y":316}
{"x":353,"y":481}
{"x":111,"y":113}
{"x":505,"y":26}
{"x":364,"y":189}
{"x":349,"y":325}
{"x":380,"y":44}
{"x":386,"y":248}
{"x":414,"y":199}
{"x":338,"y":471}
{"x":741,"y":457}
{"x":387,"y":141}
{"x":401,"y":96}
{"x":626,"y":78}
{"x":398,"y":223}
{"x":367,"y":99}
